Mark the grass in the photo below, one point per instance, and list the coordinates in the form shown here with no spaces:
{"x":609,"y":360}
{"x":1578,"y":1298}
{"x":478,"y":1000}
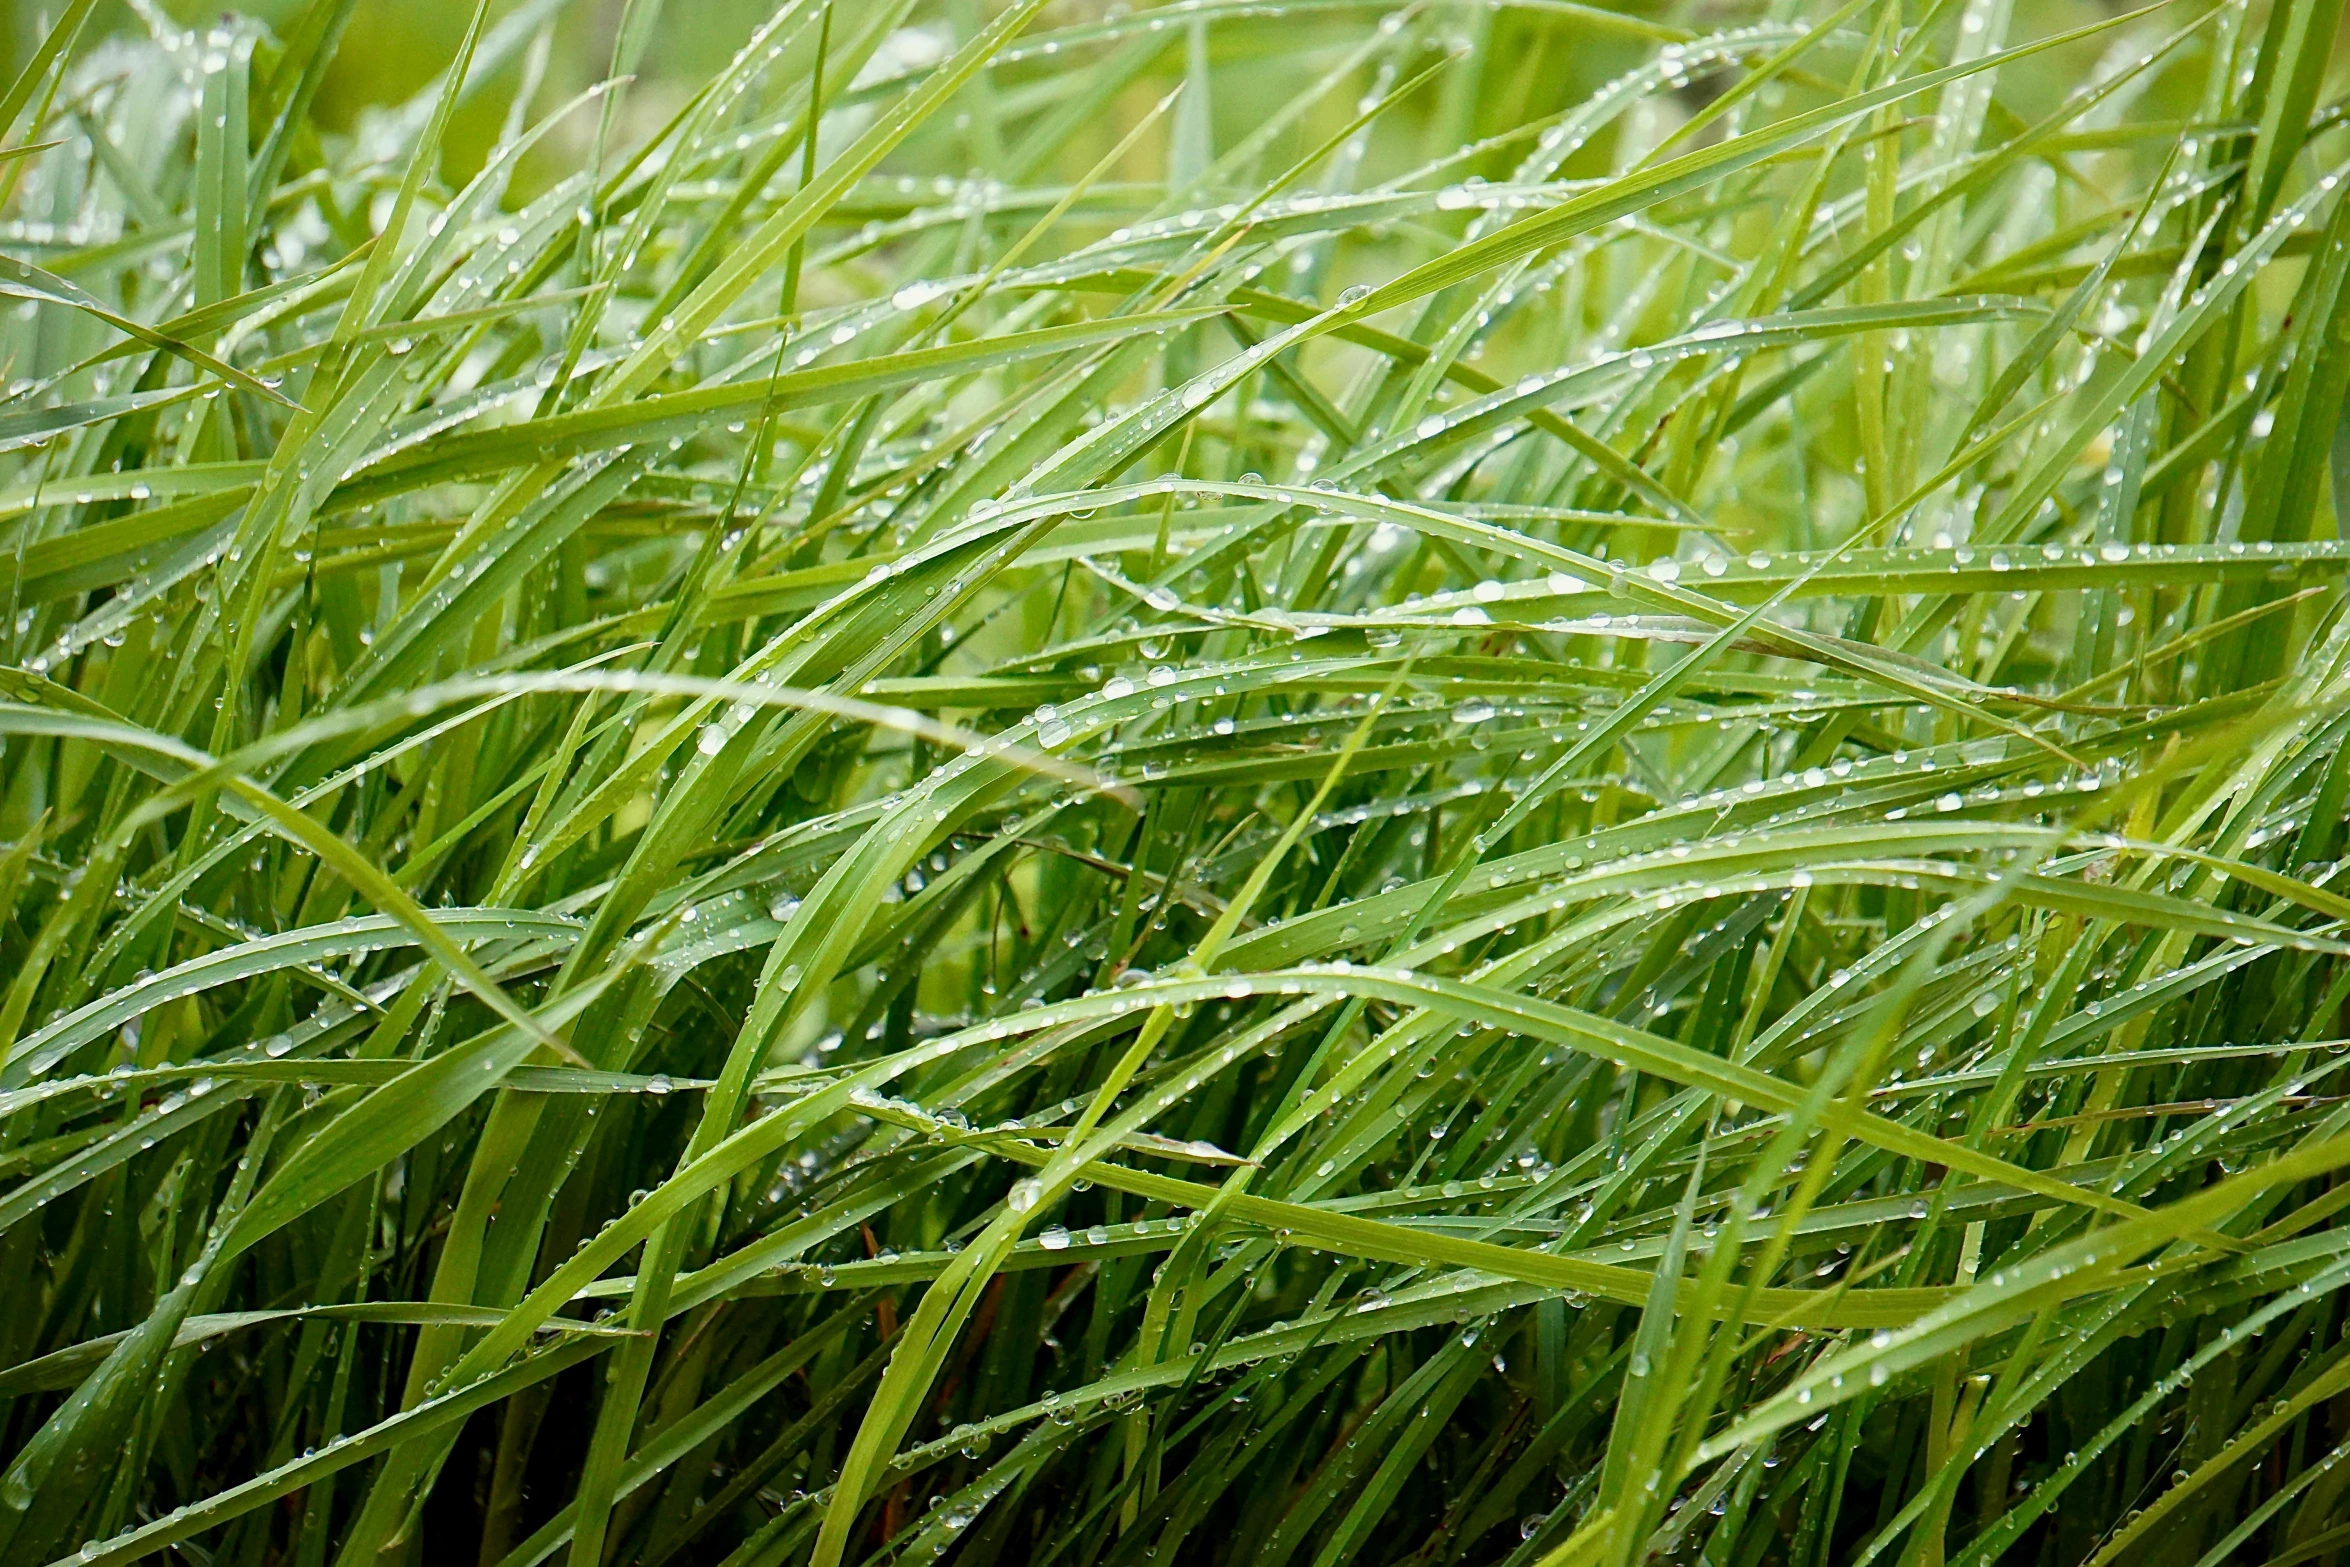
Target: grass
{"x":1299,"y":783}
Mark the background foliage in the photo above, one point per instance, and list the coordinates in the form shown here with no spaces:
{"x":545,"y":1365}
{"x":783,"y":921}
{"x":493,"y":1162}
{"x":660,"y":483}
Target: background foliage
{"x":1257,"y":781}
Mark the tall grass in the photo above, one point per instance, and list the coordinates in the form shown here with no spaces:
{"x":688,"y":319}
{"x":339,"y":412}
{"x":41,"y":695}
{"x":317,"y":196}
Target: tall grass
{"x":1287,"y":782}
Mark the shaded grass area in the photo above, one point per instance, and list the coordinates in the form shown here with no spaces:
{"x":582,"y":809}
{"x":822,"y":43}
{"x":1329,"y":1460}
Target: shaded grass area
{"x":1285,"y":782}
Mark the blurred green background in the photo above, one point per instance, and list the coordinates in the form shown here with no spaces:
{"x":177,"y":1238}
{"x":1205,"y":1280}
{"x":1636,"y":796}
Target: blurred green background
{"x":395,"y":47}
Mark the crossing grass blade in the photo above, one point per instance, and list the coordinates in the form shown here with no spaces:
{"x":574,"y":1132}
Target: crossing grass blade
{"x":1266,"y":782}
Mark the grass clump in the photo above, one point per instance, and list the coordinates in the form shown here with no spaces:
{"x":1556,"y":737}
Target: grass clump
{"x":1294,"y":783}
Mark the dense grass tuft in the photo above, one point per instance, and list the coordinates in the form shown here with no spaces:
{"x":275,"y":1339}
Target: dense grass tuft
{"x":1289,"y":782}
